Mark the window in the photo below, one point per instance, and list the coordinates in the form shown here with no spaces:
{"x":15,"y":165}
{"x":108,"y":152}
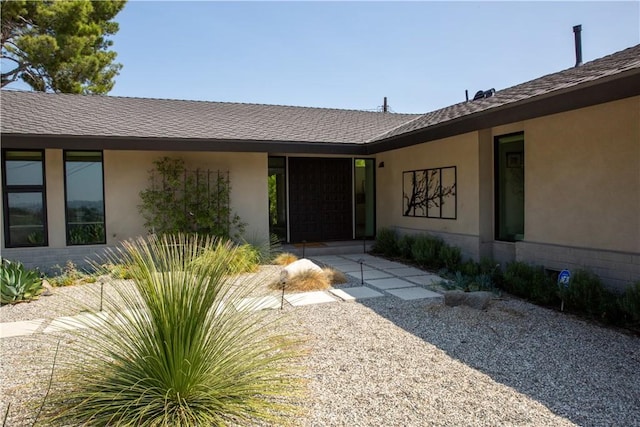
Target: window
{"x":509,"y":187}
{"x":24,"y":198}
{"x":84,"y":197}
{"x":430,"y":193}
{"x":277,"y":181}
{"x":365,"y":194}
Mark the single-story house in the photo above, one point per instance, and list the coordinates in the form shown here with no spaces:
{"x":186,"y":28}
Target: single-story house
{"x":546,"y":172}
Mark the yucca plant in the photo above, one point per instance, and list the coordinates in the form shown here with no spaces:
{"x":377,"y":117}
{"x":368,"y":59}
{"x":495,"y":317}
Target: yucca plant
{"x":18,"y":284}
{"x":181,"y":348}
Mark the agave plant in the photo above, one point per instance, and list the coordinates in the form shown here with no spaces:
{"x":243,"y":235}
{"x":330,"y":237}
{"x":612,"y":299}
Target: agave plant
{"x":18,"y":284}
{"x":184,"y":347}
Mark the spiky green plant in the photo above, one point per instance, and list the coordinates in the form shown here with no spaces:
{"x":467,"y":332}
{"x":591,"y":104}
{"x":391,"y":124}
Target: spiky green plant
{"x":18,"y":284}
{"x":184,"y":350}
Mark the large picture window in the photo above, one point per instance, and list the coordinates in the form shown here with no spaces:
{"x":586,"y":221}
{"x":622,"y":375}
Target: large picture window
{"x":24,"y":198}
{"x":430,"y":193}
{"x":84,"y":197}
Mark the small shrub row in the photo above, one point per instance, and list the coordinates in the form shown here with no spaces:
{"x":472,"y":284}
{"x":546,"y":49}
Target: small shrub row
{"x":431,"y":252}
{"x":423,"y":249}
{"x":586,"y":295}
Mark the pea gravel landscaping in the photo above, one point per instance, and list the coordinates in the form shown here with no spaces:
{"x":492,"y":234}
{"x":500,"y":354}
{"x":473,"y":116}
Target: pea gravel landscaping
{"x":388,"y":362}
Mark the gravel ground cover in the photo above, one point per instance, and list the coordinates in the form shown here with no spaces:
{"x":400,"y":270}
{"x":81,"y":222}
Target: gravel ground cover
{"x":388,"y":362}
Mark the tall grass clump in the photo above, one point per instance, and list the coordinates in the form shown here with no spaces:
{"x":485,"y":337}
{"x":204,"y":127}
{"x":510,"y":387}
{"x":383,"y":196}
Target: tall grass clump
{"x":179,"y":348}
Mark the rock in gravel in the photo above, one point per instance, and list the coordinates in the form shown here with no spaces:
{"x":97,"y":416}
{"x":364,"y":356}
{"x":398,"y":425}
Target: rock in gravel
{"x":479,"y":300}
{"x":298,"y":267}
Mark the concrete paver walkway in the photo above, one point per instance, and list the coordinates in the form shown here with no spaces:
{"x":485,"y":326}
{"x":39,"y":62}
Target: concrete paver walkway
{"x":381,"y":278}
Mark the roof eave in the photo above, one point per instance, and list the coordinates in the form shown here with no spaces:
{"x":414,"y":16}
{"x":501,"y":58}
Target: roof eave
{"x":623,"y":85}
{"x":82,"y":142}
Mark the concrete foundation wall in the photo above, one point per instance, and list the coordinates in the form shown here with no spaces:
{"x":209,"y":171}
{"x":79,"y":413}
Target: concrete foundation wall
{"x":616,"y":269}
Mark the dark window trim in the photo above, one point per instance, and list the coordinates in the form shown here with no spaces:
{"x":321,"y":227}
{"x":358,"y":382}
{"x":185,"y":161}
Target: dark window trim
{"x":375,"y":198}
{"x":496,"y":184}
{"x":286,"y":193}
{"x":66,"y":219}
{"x":6,"y":189}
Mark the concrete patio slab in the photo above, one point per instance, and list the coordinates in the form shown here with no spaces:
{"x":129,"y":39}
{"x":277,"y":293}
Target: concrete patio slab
{"x":426,"y":280}
{"x":365,"y":257}
{"x":352,"y":267}
{"x":308,"y":298}
{"x":370,"y":274}
{"x":415,"y":293}
{"x":352,"y":294}
{"x":384,"y":264}
{"x":268,"y":302}
{"x":16,"y":329}
{"x":405,"y":271}
{"x":390,"y":283}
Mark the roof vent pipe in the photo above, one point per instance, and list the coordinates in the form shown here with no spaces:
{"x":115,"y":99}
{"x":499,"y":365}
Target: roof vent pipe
{"x":577,"y":32}
{"x":385,"y":106}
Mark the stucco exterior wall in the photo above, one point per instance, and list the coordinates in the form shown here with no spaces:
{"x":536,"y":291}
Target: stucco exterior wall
{"x":460,"y":151}
{"x":582,"y":177}
{"x":125,"y":175}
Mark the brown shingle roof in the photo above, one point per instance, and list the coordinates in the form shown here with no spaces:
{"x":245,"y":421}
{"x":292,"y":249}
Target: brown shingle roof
{"x":610,"y":65}
{"x":92,"y":115}
{"x":32,"y":113}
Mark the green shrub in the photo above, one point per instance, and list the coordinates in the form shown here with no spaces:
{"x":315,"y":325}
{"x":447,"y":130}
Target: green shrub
{"x":449,"y":257}
{"x":630,"y":303}
{"x":489,"y":267}
{"x":70,"y":275}
{"x":240,"y":259}
{"x":426,"y":251}
{"x":404,"y":246}
{"x":586,"y":294}
{"x":117,"y":271}
{"x":386,"y":243}
{"x":17,"y":284}
{"x":188,"y":349}
{"x":530,"y":282}
{"x":469,"y":268}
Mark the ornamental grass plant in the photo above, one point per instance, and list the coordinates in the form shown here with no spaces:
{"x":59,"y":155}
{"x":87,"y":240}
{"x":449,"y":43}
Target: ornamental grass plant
{"x":176,"y":350}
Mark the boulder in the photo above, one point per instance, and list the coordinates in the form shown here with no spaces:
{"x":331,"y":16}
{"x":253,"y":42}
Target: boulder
{"x":479,"y":300}
{"x":298,"y":267}
{"x":47,"y":290}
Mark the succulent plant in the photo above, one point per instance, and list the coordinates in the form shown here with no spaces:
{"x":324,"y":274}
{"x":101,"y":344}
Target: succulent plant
{"x":17,"y":283}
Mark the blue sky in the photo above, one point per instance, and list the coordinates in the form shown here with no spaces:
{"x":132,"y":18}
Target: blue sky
{"x":421,"y":55}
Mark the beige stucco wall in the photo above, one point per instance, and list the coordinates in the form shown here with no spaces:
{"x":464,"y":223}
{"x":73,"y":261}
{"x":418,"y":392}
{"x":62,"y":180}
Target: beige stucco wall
{"x":460,"y":151}
{"x":582,"y":177}
{"x":126,"y":174}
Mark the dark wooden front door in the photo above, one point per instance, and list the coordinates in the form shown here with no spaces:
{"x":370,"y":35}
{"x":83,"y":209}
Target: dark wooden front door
{"x":320,"y":199}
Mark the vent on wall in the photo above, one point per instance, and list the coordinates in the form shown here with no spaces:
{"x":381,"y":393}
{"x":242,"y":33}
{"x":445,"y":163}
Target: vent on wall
{"x":481,"y":94}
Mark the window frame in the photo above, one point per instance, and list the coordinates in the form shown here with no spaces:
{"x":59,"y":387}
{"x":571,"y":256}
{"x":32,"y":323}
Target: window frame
{"x":66,"y":210}
{"x":497,"y":193}
{"x":12,"y":189}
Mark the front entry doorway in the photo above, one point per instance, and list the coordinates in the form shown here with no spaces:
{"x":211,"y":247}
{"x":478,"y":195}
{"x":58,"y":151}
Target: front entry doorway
{"x":320,"y":199}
